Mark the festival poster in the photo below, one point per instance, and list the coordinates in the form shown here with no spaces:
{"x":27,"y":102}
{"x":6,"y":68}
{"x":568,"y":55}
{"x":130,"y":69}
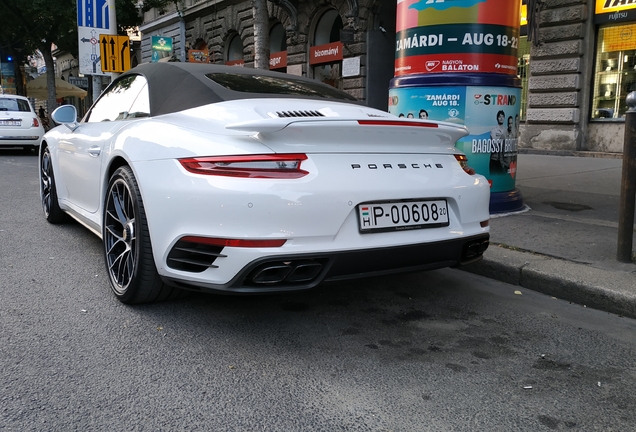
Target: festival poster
{"x":492,"y":119}
{"x":434,"y":103}
{"x":460,"y":36}
{"x":491,"y":115}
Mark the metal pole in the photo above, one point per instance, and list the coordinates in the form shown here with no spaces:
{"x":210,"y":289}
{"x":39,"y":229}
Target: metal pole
{"x":182,"y":36}
{"x":628,"y":184}
{"x":112,"y":18}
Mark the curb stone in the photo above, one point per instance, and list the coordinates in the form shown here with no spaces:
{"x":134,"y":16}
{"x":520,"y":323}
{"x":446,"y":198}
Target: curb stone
{"x":610,"y":291}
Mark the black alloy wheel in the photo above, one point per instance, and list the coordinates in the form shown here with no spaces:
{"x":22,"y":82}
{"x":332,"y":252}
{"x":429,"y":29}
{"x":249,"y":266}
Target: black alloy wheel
{"x":48,"y":193}
{"x":128,"y":252}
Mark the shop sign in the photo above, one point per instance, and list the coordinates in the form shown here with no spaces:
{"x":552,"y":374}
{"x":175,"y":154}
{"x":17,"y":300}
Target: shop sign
{"x":278,"y":60}
{"x":523,"y":23}
{"x":81,"y":82}
{"x":240,"y":63}
{"x":327,"y":53}
{"x":619,"y":38}
{"x":608,"y":6}
{"x":608,"y":11}
{"x":161,"y":47}
{"x":474,"y":36}
{"x":524,"y":15}
{"x":198,"y":56}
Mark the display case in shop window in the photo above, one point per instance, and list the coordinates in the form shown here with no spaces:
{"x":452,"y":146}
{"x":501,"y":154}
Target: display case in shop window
{"x":615,"y":78}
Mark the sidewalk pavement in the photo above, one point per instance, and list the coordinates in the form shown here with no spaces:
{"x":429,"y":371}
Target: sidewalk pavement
{"x":564,"y":243}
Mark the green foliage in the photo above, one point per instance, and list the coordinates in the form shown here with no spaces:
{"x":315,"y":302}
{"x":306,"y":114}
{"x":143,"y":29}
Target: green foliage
{"x":27,"y":25}
{"x":31,"y":23}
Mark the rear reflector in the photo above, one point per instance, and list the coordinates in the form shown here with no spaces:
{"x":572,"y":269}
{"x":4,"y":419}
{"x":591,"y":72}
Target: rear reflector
{"x":234,"y":242}
{"x":274,"y":166}
{"x":396,"y":123}
{"x":485,"y":223}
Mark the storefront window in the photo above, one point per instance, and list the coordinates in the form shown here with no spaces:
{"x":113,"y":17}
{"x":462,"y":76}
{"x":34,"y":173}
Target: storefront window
{"x":615,"y":70}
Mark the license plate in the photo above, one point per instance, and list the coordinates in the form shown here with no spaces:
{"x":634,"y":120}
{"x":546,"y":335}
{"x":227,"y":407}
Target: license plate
{"x":10,"y":122}
{"x":402,"y":215}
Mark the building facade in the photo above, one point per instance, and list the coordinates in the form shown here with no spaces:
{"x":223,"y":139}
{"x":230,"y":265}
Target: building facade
{"x":579,"y":74}
{"x":575,"y":74}
{"x":346,"y":43}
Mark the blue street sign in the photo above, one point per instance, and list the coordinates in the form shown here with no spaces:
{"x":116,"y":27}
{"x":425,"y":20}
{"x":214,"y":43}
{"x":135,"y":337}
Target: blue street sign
{"x":93,"y":13}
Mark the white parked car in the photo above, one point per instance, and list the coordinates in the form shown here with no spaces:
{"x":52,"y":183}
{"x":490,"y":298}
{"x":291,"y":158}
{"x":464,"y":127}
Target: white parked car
{"x":19,"y":125}
{"x":217,"y":178}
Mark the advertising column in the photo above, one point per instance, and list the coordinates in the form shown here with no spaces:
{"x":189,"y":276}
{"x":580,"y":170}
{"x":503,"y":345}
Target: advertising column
{"x":456,"y":61}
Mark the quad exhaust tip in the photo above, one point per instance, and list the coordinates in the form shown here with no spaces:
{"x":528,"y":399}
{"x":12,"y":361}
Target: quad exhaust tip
{"x":285,"y":272}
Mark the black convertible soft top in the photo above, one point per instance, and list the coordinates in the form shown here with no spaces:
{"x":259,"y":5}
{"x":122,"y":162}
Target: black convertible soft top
{"x":175,"y":86}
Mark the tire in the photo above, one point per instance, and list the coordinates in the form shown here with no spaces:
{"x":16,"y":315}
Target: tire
{"x":127,"y":248}
{"x":48,"y":192}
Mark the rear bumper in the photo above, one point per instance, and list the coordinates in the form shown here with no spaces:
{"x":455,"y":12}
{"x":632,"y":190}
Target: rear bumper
{"x":7,"y":140}
{"x":304,"y":271}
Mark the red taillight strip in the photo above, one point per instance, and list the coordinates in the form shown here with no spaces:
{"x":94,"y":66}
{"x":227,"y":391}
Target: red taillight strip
{"x":396,"y":123}
{"x":210,"y":166}
{"x":463,"y":162}
{"x":234,"y":242}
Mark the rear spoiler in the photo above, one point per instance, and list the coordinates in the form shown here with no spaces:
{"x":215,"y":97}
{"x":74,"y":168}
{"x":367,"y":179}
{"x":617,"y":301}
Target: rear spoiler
{"x":276,"y":124}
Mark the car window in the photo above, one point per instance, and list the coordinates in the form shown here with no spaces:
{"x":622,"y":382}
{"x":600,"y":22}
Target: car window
{"x":14,"y":104}
{"x":141,"y":106}
{"x":117,"y":102}
{"x":275,"y":85}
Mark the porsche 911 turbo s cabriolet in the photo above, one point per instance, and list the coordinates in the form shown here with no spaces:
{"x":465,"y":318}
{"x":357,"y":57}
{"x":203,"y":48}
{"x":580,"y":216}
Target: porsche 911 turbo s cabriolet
{"x":216,"y":178}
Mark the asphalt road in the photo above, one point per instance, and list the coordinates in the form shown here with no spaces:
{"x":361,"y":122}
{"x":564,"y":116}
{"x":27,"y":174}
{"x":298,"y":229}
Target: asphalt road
{"x":443,"y":350}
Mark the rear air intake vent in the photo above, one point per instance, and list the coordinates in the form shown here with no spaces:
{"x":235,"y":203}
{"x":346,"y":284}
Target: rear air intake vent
{"x":284,"y":114}
{"x":193,"y":257}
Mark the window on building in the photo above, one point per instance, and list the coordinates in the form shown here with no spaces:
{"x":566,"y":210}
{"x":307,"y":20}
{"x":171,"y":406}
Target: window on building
{"x":615,"y":70}
{"x":235,"y":49}
{"x":278,"y":48}
{"x":328,"y":31}
{"x":277,"y":38}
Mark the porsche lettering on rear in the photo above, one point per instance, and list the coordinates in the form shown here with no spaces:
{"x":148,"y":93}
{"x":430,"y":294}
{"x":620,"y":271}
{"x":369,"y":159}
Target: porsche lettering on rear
{"x":397,"y":166}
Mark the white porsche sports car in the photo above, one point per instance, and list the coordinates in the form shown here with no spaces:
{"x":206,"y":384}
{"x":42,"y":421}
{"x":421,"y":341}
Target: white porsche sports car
{"x":218,"y":178}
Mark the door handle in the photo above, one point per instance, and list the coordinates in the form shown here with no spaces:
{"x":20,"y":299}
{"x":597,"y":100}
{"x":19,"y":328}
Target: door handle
{"x":94,"y":151}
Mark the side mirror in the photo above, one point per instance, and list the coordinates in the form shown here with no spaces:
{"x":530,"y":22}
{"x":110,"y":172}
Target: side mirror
{"x":66,"y":115}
